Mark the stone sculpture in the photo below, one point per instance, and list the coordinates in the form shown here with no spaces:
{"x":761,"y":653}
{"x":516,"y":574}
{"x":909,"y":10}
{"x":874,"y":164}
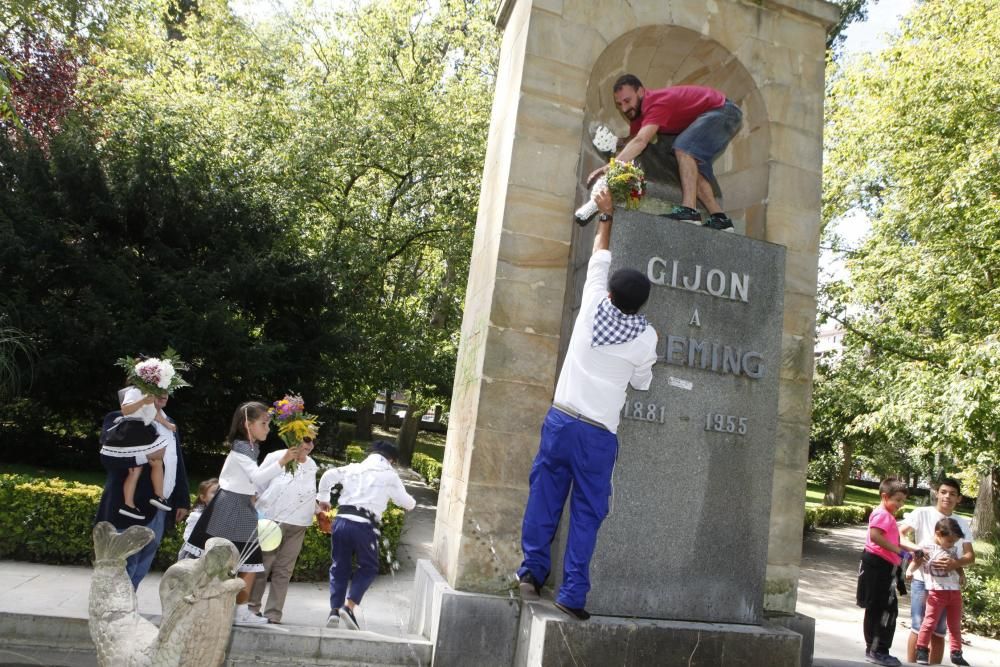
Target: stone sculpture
{"x":197,"y":596}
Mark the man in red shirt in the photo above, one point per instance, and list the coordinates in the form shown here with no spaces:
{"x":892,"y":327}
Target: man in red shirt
{"x":703,"y":119}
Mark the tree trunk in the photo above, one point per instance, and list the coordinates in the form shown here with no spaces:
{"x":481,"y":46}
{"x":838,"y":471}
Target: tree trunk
{"x":836,"y":488}
{"x":388,"y":408}
{"x":984,"y":521}
{"x":407,"y":441}
{"x":363,"y":421}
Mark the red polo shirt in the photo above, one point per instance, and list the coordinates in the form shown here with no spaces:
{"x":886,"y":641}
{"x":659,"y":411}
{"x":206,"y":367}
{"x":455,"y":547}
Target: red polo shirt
{"x":673,"y":109}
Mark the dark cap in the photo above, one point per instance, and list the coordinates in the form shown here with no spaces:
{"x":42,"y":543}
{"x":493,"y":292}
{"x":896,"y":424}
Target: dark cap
{"x":385,"y":448}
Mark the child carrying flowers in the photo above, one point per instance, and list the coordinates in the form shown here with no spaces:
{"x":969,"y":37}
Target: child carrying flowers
{"x":142,"y":433}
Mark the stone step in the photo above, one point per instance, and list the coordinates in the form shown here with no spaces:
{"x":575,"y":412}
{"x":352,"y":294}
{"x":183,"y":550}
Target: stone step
{"x":29,"y":639}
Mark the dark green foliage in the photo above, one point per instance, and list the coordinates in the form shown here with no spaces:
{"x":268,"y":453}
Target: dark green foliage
{"x":131,"y":256}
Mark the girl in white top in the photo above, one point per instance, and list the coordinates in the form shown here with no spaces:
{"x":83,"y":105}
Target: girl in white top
{"x":232,"y":514}
{"x":290,"y":500}
{"x":142,"y":433}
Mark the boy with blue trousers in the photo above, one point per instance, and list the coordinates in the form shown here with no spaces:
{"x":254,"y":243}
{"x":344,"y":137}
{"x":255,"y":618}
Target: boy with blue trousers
{"x":368,"y":487}
{"x":612,"y":346}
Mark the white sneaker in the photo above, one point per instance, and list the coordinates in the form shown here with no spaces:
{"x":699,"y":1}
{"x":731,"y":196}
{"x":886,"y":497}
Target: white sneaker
{"x":244,"y":616}
{"x":333,"y":621}
{"x":160,"y":504}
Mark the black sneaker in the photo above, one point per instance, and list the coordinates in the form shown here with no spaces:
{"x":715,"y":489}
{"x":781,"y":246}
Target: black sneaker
{"x":579,"y":613}
{"x":347,"y":618}
{"x":957,"y":659}
{"x":719,"y":221}
{"x":923,"y":656}
{"x":684,"y":214}
{"x":160,"y":504}
{"x":132,"y":512}
{"x":530,"y":588}
{"x":883,"y":659}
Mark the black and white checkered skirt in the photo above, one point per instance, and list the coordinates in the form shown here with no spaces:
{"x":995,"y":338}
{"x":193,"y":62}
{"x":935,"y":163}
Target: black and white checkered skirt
{"x":234,"y":517}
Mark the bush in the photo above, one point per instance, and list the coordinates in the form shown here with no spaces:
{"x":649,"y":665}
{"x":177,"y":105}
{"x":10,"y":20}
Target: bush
{"x":428,"y":468}
{"x":51,"y":521}
{"x":981,"y":595}
{"x":835,"y":515}
{"x":355,"y":453}
{"x":47,"y":520}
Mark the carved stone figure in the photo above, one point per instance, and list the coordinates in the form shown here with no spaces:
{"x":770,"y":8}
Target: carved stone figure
{"x":197,"y":596}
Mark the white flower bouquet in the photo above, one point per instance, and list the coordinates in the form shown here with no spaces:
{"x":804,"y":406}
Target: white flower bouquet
{"x":158,"y":377}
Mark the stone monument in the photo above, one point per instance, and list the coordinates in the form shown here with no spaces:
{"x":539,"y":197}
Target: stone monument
{"x":687,"y":535}
{"x":559,"y":59}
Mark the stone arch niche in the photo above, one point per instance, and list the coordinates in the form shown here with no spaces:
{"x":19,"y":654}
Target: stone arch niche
{"x":668,"y":55}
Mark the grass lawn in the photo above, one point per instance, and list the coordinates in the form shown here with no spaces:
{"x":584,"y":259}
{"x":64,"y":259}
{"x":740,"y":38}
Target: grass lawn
{"x":431,"y":444}
{"x":859,"y":495}
{"x":93,"y":477}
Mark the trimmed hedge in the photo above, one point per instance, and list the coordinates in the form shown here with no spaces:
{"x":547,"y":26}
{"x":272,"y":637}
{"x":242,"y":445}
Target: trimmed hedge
{"x":355,"y":453}
{"x":51,"y":520}
{"x":47,"y":520}
{"x":428,"y":468}
{"x":836,"y":515}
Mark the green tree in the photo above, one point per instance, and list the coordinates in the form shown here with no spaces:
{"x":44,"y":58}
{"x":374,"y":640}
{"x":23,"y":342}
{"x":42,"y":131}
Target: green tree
{"x":911,"y":140}
{"x":290,"y":205}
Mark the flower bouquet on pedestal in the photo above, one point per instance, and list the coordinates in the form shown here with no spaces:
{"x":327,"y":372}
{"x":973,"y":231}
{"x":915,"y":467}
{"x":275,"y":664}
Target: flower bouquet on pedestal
{"x":155,"y":377}
{"x":294,"y":424}
{"x":627,"y":184}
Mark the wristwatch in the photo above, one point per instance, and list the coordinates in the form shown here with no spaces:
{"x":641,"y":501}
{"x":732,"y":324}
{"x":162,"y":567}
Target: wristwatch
{"x":604,"y":217}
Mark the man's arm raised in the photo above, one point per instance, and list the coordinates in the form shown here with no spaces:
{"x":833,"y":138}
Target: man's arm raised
{"x":602,"y":241}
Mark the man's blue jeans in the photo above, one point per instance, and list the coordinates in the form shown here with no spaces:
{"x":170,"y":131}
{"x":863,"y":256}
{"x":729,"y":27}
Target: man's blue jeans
{"x":138,"y":564}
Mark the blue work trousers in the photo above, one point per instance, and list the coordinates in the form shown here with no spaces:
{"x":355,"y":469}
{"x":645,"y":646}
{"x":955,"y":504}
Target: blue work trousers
{"x":573,"y":457}
{"x":347,"y":539}
{"x":137,"y":565}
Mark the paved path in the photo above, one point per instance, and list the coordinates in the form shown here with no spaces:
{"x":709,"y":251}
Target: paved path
{"x":826,"y":592}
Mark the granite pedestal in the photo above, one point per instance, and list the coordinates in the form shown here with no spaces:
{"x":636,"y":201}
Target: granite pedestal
{"x":687,"y":536}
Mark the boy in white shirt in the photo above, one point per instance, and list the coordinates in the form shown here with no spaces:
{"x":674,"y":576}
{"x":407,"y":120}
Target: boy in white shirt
{"x":612,"y":346}
{"x":368,"y":487}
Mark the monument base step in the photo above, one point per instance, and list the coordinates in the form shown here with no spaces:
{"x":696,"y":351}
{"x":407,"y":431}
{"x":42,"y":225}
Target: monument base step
{"x":60,"y":641}
{"x":550,"y":638}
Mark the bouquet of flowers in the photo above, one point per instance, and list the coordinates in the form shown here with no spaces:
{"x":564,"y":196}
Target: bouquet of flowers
{"x":627,"y":183}
{"x":294,"y":423}
{"x":157,"y":377}
{"x":625,"y":180}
